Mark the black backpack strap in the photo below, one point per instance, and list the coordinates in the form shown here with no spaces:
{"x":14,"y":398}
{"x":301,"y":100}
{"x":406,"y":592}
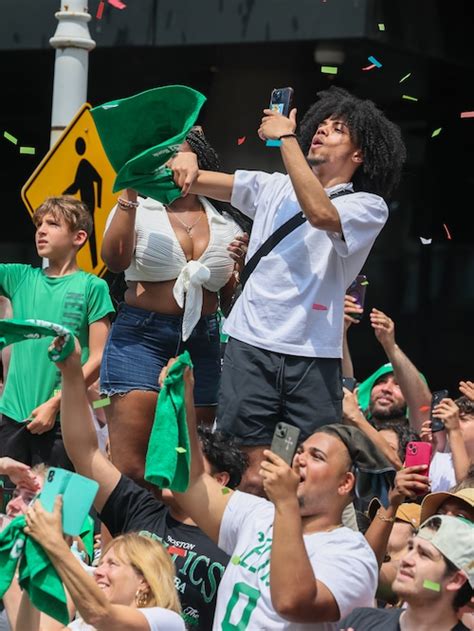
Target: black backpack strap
{"x":275,"y":238}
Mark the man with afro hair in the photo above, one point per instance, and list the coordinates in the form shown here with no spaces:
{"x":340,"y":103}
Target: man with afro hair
{"x":283,"y":357}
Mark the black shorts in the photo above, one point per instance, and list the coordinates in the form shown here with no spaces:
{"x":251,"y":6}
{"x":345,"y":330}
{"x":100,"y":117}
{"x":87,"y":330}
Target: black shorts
{"x":259,"y":388}
{"x":18,"y":443}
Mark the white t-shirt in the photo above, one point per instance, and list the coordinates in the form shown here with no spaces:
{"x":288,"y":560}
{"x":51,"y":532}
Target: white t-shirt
{"x":341,"y":559}
{"x":159,"y":620}
{"x":441,"y":472}
{"x":293,"y":301}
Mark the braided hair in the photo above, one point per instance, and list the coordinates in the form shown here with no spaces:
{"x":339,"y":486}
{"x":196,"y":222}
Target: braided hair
{"x":208,"y":160}
{"x":378,"y":138}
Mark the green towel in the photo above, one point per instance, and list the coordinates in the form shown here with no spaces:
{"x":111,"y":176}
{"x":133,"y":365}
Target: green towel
{"x":142,"y":132}
{"x":87,"y":536}
{"x":36,"y":574}
{"x":168,"y":454}
{"x":13,"y":331}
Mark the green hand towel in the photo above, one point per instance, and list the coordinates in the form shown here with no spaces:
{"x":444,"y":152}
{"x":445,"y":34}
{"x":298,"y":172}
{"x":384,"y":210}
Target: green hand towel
{"x":36,"y":573}
{"x":13,"y":331}
{"x":142,"y":132}
{"x":168,"y":455}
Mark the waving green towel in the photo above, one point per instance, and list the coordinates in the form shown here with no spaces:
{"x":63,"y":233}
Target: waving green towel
{"x":13,"y":331}
{"x":142,"y":132}
{"x":168,"y":456}
{"x":36,"y":573}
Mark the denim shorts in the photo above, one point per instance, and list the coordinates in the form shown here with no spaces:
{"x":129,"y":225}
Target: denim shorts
{"x":141,"y":342}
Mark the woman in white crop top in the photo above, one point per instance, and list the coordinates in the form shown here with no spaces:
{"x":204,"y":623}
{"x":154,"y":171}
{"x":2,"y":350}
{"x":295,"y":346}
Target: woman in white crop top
{"x":178,"y":262}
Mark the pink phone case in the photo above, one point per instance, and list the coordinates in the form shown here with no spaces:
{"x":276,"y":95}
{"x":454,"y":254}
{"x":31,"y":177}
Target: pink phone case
{"x":418,"y":453}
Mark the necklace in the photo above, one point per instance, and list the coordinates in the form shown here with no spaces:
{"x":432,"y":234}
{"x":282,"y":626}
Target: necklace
{"x":185,"y":225}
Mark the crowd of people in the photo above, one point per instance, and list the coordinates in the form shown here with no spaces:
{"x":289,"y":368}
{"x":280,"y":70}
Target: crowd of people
{"x":196,"y":363}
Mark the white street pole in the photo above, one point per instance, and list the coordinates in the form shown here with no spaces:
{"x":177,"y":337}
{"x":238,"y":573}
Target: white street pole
{"x":72,"y":42}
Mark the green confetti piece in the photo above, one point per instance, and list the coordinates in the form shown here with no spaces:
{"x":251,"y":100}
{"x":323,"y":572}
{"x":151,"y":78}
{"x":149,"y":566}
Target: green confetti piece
{"x":10,"y":137}
{"x":405,"y":77}
{"x":381,"y":27}
{"x":366,"y":282}
{"x":101,"y":403}
{"x":235,"y":560}
{"x":329,"y":69}
{"x":225,"y":490}
{"x":56,"y":392}
{"x":435,"y":587}
{"x":29,"y":150}
{"x":409,"y":98}
{"x":436,"y":132}
{"x":180,"y":450}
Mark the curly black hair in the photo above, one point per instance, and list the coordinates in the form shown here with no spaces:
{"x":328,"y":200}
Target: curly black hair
{"x":404,"y":433}
{"x":223,"y":454}
{"x":208,"y":160}
{"x":378,"y":138}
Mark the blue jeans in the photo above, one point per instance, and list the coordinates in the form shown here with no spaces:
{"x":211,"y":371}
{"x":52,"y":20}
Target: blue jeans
{"x":141,"y":342}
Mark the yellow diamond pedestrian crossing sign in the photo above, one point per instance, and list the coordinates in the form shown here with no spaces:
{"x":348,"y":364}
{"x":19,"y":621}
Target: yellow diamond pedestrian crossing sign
{"x":77,"y":165}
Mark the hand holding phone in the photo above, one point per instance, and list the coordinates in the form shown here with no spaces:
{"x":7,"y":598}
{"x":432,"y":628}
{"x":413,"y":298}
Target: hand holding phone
{"x":357,"y":290}
{"x":349,"y":383}
{"x":418,"y":453}
{"x":285,"y":441}
{"x":437,"y":425}
{"x":280,"y":101}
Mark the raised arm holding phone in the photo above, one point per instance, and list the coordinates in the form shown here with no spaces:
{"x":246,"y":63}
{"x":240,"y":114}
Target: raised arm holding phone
{"x":344,"y":160}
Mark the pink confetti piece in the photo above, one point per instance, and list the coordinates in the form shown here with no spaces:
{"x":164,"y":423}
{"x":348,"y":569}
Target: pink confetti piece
{"x":117,"y":4}
{"x":447,"y":231}
{"x":100,"y":10}
{"x":369,"y":67}
{"x":240,"y":141}
{"x":467,"y":114}
{"x":424,"y":408}
{"x":179,"y":551}
{"x":317,"y":307}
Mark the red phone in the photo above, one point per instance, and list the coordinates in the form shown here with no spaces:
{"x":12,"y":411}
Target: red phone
{"x":418,"y":453}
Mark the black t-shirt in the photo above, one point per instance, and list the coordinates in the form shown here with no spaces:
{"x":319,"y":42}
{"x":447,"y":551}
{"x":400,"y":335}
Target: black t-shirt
{"x":199,"y":563}
{"x":371,"y":619}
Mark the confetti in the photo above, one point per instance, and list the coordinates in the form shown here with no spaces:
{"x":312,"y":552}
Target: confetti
{"x":29,"y":150}
{"x":425,"y":241}
{"x":366,"y":282}
{"x":381,"y":26}
{"x":117,"y":4}
{"x":369,"y":67}
{"x":101,"y":403}
{"x":240,"y":141}
{"x":56,"y":392}
{"x":436,"y":587}
{"x":235,"y":560}
{"x":100,"y":10}
{"x":436,"y":132}
{"x":409,"y":98}
{"x":447,"y":231}
{"x":225,"y":490}
{"x":425,"y":408}
{"x":405,"y":77}
{"x":180,"y":450}
{"x":374,"y":61}
{"x":319,"y":307}
{"x":179,"y":551}
{"x":467,"y":114}
{"x":10,"y":137}
{"x":329,"y":69}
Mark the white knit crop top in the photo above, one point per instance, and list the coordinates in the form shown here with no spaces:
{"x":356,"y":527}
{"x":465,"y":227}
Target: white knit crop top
{"x":158,"y":256}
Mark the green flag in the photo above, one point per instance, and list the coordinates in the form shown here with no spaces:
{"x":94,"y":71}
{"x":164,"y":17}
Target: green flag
{"x":13,"y":331}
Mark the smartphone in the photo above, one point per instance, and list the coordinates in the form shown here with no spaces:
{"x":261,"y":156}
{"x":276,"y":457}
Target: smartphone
{"x":285,"y":441}
{"x":437,"y":425}
{"x":418,"y":453}
{"x":78,"y":495}
{"x":280,"y":101}
{"x":357,"y":289}
{"x":349,"y":383}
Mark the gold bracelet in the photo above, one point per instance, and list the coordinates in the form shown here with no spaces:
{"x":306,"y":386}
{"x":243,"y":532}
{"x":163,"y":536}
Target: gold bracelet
{"x":390,"y":520}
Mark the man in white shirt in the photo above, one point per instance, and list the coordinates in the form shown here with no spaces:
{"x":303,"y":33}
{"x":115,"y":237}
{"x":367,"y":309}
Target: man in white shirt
{"x":282,"y":360}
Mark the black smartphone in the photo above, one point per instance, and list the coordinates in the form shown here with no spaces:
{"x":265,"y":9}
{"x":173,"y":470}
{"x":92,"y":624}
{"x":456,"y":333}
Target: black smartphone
{"x":285,"y":441}
{"x":280,"y":101}
{"x":349,"y":383}
{"x":357,"y":289}
{"x":437,"y":425}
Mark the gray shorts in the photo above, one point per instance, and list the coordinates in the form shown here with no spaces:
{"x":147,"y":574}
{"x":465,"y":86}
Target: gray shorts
{"x":259,"y":388}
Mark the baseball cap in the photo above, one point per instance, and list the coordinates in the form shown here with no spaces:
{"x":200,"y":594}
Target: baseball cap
{"x":454,"y":539}
{"x":433,"y":501}
{"x":408,"y":512}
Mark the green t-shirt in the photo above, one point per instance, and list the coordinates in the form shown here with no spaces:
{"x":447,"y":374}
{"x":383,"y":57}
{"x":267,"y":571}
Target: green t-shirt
{"x":75,"y":301}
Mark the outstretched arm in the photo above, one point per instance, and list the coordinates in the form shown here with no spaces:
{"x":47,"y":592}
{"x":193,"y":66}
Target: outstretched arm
{"x":414,"y":388}
{"x":77,"y":426}
{"x":191,"y":179}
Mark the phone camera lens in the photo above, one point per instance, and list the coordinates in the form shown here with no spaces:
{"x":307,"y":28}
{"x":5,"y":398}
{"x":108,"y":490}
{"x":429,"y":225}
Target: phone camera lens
{"x":278,"y":94}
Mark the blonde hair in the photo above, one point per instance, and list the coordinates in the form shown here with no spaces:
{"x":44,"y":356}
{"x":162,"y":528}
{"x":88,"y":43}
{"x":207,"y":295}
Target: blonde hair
{"x":74,"y":212}
{"x":149,"y":558}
